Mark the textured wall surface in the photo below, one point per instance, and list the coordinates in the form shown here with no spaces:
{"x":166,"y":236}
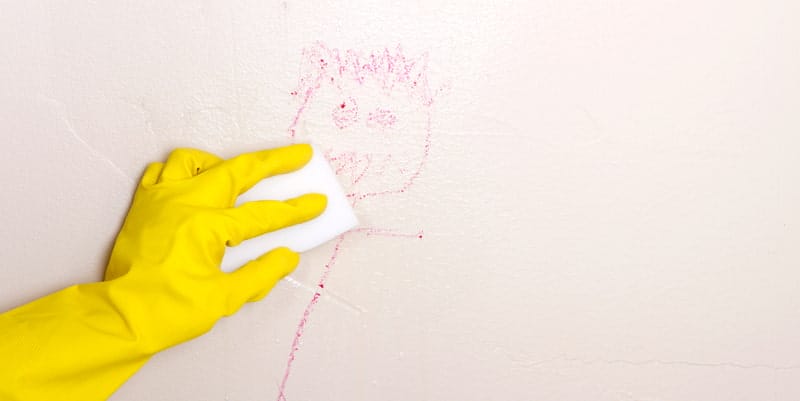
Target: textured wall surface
{"x":561,"y":200}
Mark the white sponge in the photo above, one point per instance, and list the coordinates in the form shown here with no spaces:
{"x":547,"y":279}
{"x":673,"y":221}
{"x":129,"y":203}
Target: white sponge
{"x":317,"y":177}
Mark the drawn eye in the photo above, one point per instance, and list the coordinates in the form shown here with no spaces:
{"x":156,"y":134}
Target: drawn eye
{"x":382,"y":118}
{"x":345,"y":113}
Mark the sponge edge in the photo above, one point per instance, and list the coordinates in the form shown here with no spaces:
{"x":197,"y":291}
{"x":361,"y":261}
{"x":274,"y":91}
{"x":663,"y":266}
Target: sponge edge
{"x":317,"y":177}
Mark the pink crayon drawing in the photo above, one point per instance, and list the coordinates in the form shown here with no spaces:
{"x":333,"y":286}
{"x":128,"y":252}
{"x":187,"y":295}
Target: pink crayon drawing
{"x":379,"y":105}
{"x":389,"y":143}
{"x":381,"y":117}
{"x":345,"y":114}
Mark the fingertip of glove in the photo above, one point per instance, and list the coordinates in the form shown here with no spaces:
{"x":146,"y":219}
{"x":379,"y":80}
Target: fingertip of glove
{"x":313,"y":203}
{"x":302,"y":149}
{"x":300,"y":153}
{"x":283,"y":259}
{"x":254,"y":280}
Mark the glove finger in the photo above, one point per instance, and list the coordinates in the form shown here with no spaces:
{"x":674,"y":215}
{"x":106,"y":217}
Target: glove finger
{"x":255,"y":279}
{"x":252,"y":219}
{"x":185,"y":163}
{"x":245,"y":170}
{"x":151,"y":174}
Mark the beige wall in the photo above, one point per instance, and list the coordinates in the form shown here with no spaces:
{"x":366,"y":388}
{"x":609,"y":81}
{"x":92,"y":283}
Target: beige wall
{"x":607,"y":192}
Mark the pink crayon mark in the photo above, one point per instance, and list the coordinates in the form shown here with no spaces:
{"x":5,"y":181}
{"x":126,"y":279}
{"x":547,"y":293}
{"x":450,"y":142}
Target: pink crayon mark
{"x":369,"y":231}
{"x":392,"y":69}
{"x":395,"y":73}
{"x":364,"y":170}
{"x":298,"y":335}
{"x":350,"y":165}
{"x":306,"y":98}
{"x":381,"y":117}
{"x":410,"y":181}
{"x":345,"y":114}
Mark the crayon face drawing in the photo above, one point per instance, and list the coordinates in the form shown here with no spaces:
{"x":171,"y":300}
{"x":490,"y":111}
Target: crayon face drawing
{"x":371,"y":113}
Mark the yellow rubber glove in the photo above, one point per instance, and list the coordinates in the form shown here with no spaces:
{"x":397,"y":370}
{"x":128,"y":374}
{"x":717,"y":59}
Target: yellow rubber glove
{"x":163,"y":284}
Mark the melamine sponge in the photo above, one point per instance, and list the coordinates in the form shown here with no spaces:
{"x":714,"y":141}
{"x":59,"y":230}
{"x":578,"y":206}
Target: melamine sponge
{"x":316,"y":176}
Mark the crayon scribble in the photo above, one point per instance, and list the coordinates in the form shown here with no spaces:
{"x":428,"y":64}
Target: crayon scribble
{"x":345,"y":114}
{"x":384,"y":118}
{"x":388,"y":147}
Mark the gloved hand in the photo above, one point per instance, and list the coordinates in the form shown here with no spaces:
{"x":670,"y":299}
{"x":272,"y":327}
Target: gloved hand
{"x":162,"y":285}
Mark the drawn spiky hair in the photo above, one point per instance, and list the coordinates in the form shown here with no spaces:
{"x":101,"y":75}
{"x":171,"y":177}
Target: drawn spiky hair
{"x":390,"y":70}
